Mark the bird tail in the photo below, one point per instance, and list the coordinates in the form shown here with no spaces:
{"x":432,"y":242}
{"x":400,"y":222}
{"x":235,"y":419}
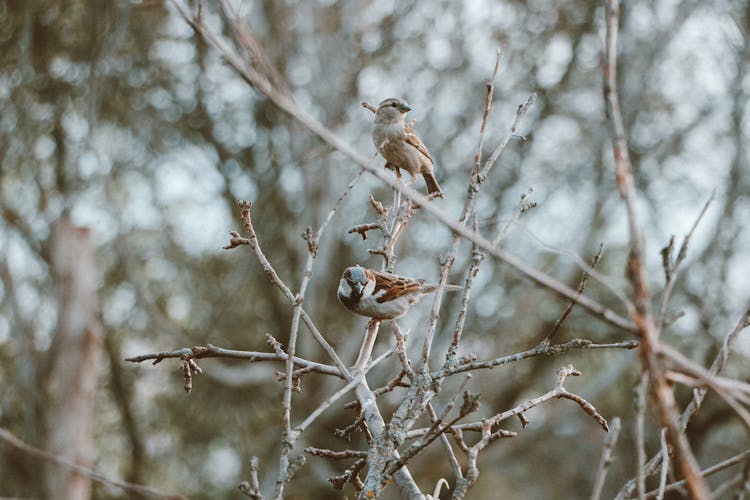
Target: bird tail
{"x":432,"y":185}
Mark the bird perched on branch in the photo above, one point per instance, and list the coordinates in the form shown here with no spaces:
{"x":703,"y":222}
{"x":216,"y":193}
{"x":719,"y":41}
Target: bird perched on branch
{"x":381,"y":295}
{"x":399,"y":145}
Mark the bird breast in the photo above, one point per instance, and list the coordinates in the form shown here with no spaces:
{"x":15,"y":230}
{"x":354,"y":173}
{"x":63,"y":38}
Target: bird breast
{"x":390,"y":140}
{"x":369,"y":306}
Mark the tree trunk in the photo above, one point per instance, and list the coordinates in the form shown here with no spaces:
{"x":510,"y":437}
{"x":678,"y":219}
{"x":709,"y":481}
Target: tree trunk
{"x":73,"y":362}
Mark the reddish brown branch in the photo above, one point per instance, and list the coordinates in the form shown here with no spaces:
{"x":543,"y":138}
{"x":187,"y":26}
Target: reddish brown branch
{"x":636,"y":269}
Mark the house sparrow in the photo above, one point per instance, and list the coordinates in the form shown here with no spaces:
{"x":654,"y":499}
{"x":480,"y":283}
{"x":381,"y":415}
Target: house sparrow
{"x":381,"y":295}
{"x":399,"y":145}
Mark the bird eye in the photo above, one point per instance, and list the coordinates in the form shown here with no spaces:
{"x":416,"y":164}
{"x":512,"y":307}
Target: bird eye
{"x":393,"y":105}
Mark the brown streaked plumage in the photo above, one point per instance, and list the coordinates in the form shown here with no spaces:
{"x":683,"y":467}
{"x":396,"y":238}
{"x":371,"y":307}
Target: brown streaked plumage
{"x":382,"y":295}
{"x":399,"y":144}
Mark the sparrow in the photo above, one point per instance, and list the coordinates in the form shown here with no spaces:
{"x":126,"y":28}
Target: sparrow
{"x":381,"y":295}
{"x":399,"y":145}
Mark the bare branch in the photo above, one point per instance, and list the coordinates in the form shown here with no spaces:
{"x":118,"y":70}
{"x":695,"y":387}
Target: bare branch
{"x":276,"y":280}
{"x":211,"y":351}
{"x":572,"y":303}
{"x":363,"y":228}
{"x":359,"y":376}
{"x":636,"y":268}
{"x":487,"y":106}
{"x":664,"y":465}
{"x":558,"y":392}
{"x":606,"y":460}
{"x":729,"y":462}
{"x":640,"y":433}
{"x":539,"y":350}
{"x":369,"y":106}
{"x":252,"y":489}
{"x":335,"y":455}
{"x":716,"y":367}
{"x":470,"y":405}
{"x":671,"y":273}
{"x":20,"y":445}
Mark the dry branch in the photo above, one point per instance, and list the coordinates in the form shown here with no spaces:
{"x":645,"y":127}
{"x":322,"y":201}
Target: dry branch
{"x":606,"y":460}
{"x":642,"y":315}
{"x":140,"y":489}
{"x":211,"y":351}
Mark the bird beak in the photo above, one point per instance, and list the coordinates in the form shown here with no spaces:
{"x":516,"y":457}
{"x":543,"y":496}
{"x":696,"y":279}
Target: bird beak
{"x":358,"y":288}
{"x":405,"y":107}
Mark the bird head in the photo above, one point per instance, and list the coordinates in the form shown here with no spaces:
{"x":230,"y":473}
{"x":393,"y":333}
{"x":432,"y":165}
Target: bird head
{"x":392,"y":109}
{"x":354,"y":279}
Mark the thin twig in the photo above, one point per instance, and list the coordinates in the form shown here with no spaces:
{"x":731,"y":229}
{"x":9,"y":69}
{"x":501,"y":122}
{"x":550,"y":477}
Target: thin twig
{"x":291,"y":297}
{"x":572,"y":303}
{"x":559,"y":391}
{"x":335,"y":455}
{"x":287,"y":468}
{"x":437,"y":429}
{"x":539,"y":350}
{"x":252,"y":489}
{"x":452,"y":460}
{"x":729,"y":462}
{"x":640,"y":433}
{"x":674,"y":269}
{"x":606,"y":460}
{"x":340,"y":393}
{"x":490,"y":87}
{"x":664,"y":465}
{"x":523,"y":206}
{"x":140,"y":489}
{"x":211,"y":351}
{"x":716,"y":367}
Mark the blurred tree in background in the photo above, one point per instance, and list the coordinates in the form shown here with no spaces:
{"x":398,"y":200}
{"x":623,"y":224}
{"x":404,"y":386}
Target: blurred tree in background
{"x":115,"y":115}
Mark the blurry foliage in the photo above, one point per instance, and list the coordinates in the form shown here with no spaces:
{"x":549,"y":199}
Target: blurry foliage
{"x":112,"y":111}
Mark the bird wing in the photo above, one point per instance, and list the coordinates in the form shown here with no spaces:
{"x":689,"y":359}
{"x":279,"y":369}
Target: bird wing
{"x":415,"y":141}
{"x":390,"y":287}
